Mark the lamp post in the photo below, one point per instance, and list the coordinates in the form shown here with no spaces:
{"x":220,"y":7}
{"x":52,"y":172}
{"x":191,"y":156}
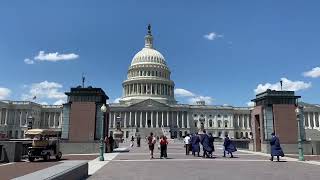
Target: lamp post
{"x":299,"y":115}
{"x":103,"y":110}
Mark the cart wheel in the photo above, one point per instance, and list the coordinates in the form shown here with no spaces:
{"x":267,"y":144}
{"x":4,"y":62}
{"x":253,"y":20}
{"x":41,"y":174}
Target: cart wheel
{"x":46,"y":157}
{"x":31,"y":159}
{"x":58,"y":156}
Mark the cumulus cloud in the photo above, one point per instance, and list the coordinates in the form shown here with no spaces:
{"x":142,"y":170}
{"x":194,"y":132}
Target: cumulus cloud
{"x":4,"y":93}
{"x":45,"y":91}
{"x":183,"y":93}
{"x":51,"y":57}
{"x":42,"y":56}
{"x":286,"y":85}
{"x":212,"y":36}
{"x":314,"y":73}
{"x":250,"y":104}
{"x":116,"y":100}
{"x":59,"y":102}
{"x":28,"y":61}
{"x":191,"y":97}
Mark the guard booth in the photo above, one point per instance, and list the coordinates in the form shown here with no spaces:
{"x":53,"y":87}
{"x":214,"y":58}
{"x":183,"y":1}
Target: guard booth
{"x":274,"y":111}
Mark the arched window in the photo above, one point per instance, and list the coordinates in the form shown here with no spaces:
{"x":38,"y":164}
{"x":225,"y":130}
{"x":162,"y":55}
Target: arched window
{"x":225,"y":124}
{"x":180,"y":133}
{"x":237,"y":135}
{"x":156,"y":73}
{"x":175,"y":134}
{"x":246,"y":135}
{"x":219,"y":124}
{"x":210,"y":123}
{"x":219,"y":134}
{"x":148,"y":73}
{"x":144,"y":73}
{"x":241,"y":134}
{"x":152,"y":73}
{"x":185,"y":133}
{"x":317,"y":120}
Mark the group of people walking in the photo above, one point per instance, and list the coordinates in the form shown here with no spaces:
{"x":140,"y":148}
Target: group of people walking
{"x":194,"y":141}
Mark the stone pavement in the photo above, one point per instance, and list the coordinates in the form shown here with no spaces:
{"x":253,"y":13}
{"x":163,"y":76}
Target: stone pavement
{"x":136,"y":165}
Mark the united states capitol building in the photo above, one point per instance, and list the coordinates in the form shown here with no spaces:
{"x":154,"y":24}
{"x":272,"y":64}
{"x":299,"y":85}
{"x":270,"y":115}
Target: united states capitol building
{"x":148,"y":103}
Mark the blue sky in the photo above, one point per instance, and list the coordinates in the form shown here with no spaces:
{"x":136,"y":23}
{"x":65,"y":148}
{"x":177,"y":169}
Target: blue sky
{"x":221,"y":51}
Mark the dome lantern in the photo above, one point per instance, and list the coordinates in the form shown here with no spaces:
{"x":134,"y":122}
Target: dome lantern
{"x":148,"y":39}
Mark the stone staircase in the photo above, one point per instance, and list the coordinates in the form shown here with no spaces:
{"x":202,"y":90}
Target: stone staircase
{"x":146,"y":132}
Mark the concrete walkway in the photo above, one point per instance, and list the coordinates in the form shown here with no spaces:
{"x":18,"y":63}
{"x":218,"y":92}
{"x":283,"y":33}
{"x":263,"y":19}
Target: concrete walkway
{"x":136,"y":165}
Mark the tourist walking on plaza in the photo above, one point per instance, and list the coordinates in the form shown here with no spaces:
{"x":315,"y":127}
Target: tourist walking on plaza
{"x":276,"y":149}
{"x":151,"y":142}
{"x":138,"y":140}
{"x":195,"y":140}
{"x":163,"y":147}
{"x":211,"y":141}
{"x":132,"y":141}
{"x":187,"y":144}
{"x":111,"y":142}
{"x":229,"y":147}
{"x":206,"y":147}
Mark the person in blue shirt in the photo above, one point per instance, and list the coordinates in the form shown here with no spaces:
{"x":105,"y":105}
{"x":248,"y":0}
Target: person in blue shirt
{"x":276,"y":149}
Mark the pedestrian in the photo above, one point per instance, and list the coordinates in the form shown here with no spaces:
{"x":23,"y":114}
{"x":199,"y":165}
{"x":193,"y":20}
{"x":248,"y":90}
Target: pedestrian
{"x":111,"y":142}
{"x":106,"y":142}
{"x":132,"y":141}
{"x":229,"y":147}
{"x":151,"y":142}
{"x":195,"y":140}
{"x":163,"y":147}
{"x":187,"y":144}
{"x":211,"y":141}
{"x":276,"y":149}
{"x":205,"y":145}
{"x":138,"y":140}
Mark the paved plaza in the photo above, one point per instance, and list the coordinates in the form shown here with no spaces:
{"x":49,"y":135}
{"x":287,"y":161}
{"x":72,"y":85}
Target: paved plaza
{"x":136,"y":165}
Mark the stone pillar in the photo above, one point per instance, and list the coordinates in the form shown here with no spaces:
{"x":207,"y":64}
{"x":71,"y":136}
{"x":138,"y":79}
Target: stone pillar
{"x":167,"y":118}
{"x":151,"y":88}
{"x":135,"y":119}
{"x":238,"y":123}
{"x":314,"y":120}
{"x":130,"y":120}
{"x":231,"y":121}
{"x":141,"y":119}
{"x":125,"y":120}
{"x":205,"y":121}
{"x":309,"y":120}
{"x":49,"y":119}
{"x":157,"y":120}
{"x":162,"y":119}
{"x":114,"y":119}
{"x":110,"y":117}
{"x":182,"y":117}
{"x":54,"y":120}
{"x":178,"y":119}
{"x":243,"y":122}
{"x":151,"y":119}
{"x":20,"y":118}
{"x":146,"y":122}
{"x":188,"y":122}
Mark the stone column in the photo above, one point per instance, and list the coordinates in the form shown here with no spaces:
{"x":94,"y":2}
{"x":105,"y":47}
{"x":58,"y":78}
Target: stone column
{"x":130,"y":120}
{"x":49,"y":120}
{"x":178,"y":119}
{"x":162,"y":119}
{"x":114,"y":119}
{"x":110,"y":117}
{"x":151,"y":88}
{"x":141,"y":119}
{"x":188,"y":123}
{"x":20,"y":118}
{"x":319,"y":119}
{"x":54,"y":120}
{"x":182,"y":119}
{"x":206,"y":121}
{"x":309,"y":120}
{"x":157,"y":120}
{"x":135,"y":119}
{"x":243,"y":122}
{"x":231,"y":121}
{"x":146,"y":123}
{"x":125,"y":120}
{"x":167,"y":118}
{"x":151,"y":119}
{"x":238,"y":123}
{"x":314,"y":120}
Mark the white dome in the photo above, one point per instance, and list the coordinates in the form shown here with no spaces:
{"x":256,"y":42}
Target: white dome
{"x":148,"y":55}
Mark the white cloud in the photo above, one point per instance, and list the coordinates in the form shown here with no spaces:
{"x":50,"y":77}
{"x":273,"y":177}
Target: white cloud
{"x":287,"y":85}
{"x":314,"y":73}
{"x":4,"y":93}
{"x":45,"y":91}
{"x":42,"y":56}
{"x":28,"y":61}
{"x":212,"y":36}
{"x":250,"y":104}
{"x":191,"y":97}
{"x":182,"y":93}
{"x":52,"y":57}
{"x":59,"y":102}
{"x":207,"y":99}
{"x":116,"y":100}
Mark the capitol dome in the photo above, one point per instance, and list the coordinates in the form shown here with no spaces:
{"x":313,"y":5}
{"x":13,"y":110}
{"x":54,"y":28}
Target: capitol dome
{"x":148,"y":76}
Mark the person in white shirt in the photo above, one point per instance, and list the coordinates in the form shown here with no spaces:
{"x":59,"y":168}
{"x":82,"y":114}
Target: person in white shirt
{"x":187,"y":144}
